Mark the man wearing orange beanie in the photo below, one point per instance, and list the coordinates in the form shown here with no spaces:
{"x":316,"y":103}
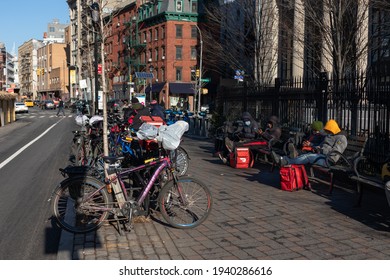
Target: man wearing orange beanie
{"x":333,"y":141}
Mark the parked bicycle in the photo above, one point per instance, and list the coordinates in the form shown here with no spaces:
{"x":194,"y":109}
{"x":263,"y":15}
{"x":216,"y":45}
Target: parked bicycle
{"x":82,"y":203}
{"x":88,"y":146}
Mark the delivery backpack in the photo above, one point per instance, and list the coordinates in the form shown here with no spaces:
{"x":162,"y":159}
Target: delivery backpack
{"x":294,"y":177}
{"x":241,"y":158}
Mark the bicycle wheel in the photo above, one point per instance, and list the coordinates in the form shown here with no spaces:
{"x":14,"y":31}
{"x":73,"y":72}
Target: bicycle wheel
{"x":181,"y":161}
{"x":188,"y":213}
{"x":81,"y":204}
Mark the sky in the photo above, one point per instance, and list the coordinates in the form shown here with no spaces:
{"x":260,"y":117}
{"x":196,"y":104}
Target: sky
{"x":22,"y":20}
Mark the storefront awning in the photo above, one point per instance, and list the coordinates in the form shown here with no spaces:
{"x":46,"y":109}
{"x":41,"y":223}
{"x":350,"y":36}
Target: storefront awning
{"x":181,"y":88}
{"x":156,"y":88}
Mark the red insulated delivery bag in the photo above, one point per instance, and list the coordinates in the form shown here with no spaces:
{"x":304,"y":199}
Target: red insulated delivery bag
{"x":293,"y":177}
{"x":241,"y":158}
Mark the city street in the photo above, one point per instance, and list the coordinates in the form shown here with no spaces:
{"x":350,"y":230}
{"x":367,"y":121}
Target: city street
{"x":29,"y":173}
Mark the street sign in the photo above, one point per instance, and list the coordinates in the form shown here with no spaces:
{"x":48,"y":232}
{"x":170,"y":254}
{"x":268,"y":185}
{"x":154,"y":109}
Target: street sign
{"x":205,"y":80}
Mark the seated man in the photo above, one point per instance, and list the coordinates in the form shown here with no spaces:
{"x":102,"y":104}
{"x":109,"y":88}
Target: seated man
{"x":314,"y":139}
{"x":249,"y":135}
{"x":246,"y":130}
{"x":333,"y":141}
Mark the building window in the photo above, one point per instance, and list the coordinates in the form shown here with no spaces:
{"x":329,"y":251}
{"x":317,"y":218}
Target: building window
{"x":163,"y":52}
{"x":150,"y":35}
{"x":162,"y":32}
{"x":179,"y":5}
{"x":179,"y":31}
{"x":162,"y":74}
{"x":144,"y":33}
{"x":156,"y":34}
{"x":194,"y":32}
{"x":179,"y":52}
{"x":178,"y":73}
{"x":193,"y":53}
{"x":156,"y":77}
{"x":193,"y":74}
{"x":194,"y":6}
{"x":156,"y":54}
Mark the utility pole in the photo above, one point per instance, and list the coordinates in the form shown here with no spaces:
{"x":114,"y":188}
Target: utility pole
{"x":78,"y":62}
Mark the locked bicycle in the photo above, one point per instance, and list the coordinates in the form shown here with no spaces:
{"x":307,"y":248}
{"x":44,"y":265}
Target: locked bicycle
{"x":82,"y":203}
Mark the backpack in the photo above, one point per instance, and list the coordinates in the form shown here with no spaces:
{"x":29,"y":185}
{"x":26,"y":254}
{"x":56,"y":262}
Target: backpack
{"x":293,"y":177}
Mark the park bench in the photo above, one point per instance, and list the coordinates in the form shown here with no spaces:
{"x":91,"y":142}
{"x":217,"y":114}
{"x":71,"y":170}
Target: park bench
{"x":279,"y":146}
{"x":344,"y":166}
{"x":368,"y":166}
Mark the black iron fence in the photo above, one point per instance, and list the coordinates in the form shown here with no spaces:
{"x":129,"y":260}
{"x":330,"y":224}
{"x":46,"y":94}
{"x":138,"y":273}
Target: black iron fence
{"x":360,"y":105}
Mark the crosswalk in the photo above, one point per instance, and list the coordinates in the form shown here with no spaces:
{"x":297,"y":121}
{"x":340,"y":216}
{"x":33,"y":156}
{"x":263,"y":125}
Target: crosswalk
{"x":41,"y":114}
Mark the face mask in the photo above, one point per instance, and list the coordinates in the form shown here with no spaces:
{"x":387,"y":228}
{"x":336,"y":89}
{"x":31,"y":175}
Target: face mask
{"x":247,"y":123}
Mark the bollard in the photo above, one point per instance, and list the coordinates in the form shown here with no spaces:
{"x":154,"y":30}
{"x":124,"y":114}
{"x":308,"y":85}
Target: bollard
{"x":1,"y":117}
{"x":197,"y":128}
{"x":203,"y":127}
{"x":192,"y":126}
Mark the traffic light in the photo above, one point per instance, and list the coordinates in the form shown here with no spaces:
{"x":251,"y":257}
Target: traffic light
{"x":197,"y":73}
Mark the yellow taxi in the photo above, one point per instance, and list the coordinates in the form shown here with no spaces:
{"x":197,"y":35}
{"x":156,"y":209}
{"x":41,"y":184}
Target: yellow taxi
{"x":29,"y":103}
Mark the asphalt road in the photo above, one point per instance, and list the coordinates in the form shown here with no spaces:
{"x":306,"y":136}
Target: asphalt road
{"x":28,"y":175}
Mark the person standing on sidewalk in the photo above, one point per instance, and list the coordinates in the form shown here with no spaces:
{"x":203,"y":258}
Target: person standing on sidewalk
{"x":60,"y":107}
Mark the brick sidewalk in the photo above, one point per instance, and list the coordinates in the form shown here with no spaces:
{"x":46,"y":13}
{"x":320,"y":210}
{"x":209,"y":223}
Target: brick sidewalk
{"x":251,"y":219}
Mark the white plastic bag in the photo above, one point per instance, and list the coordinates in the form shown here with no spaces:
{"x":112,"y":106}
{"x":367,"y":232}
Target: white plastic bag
{"x":94,"y":119}
{"x":81,"y":120}
{"x":147,"y":131}
{"x":170,"y":136}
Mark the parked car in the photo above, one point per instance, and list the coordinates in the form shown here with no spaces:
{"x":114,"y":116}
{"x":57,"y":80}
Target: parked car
{"x":49,"y":105}
{"x":20,"y":107}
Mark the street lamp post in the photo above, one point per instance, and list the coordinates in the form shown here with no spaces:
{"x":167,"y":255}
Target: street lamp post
{"x":95,"y":19}
{"x":151,"y":68}
{"x":200,"y":65}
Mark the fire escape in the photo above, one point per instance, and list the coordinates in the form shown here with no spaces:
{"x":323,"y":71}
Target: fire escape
{"x":134,"y":50}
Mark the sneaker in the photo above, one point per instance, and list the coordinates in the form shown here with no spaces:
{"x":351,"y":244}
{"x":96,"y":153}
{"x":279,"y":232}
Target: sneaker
{"x":275,"y":158}
{"x":229,"y":144}
{"x":278,"y":160}
{"x":293,"y":153}
{"x":224,"y":160}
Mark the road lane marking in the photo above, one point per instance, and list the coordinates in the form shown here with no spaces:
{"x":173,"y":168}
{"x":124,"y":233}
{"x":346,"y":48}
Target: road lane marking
{"x":8,"y":160}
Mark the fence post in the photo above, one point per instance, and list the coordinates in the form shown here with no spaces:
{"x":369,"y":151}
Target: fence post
{"x":275,"y":103}
{"x":323,"y":97}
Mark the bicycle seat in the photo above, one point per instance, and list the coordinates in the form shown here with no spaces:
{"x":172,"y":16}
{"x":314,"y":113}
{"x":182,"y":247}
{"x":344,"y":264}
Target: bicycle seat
{"x":112,"y":159}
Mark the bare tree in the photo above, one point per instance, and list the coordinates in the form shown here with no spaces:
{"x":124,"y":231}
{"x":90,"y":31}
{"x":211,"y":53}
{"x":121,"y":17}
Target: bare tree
{"x":337,"y":36}
{"x":245,"y":38}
